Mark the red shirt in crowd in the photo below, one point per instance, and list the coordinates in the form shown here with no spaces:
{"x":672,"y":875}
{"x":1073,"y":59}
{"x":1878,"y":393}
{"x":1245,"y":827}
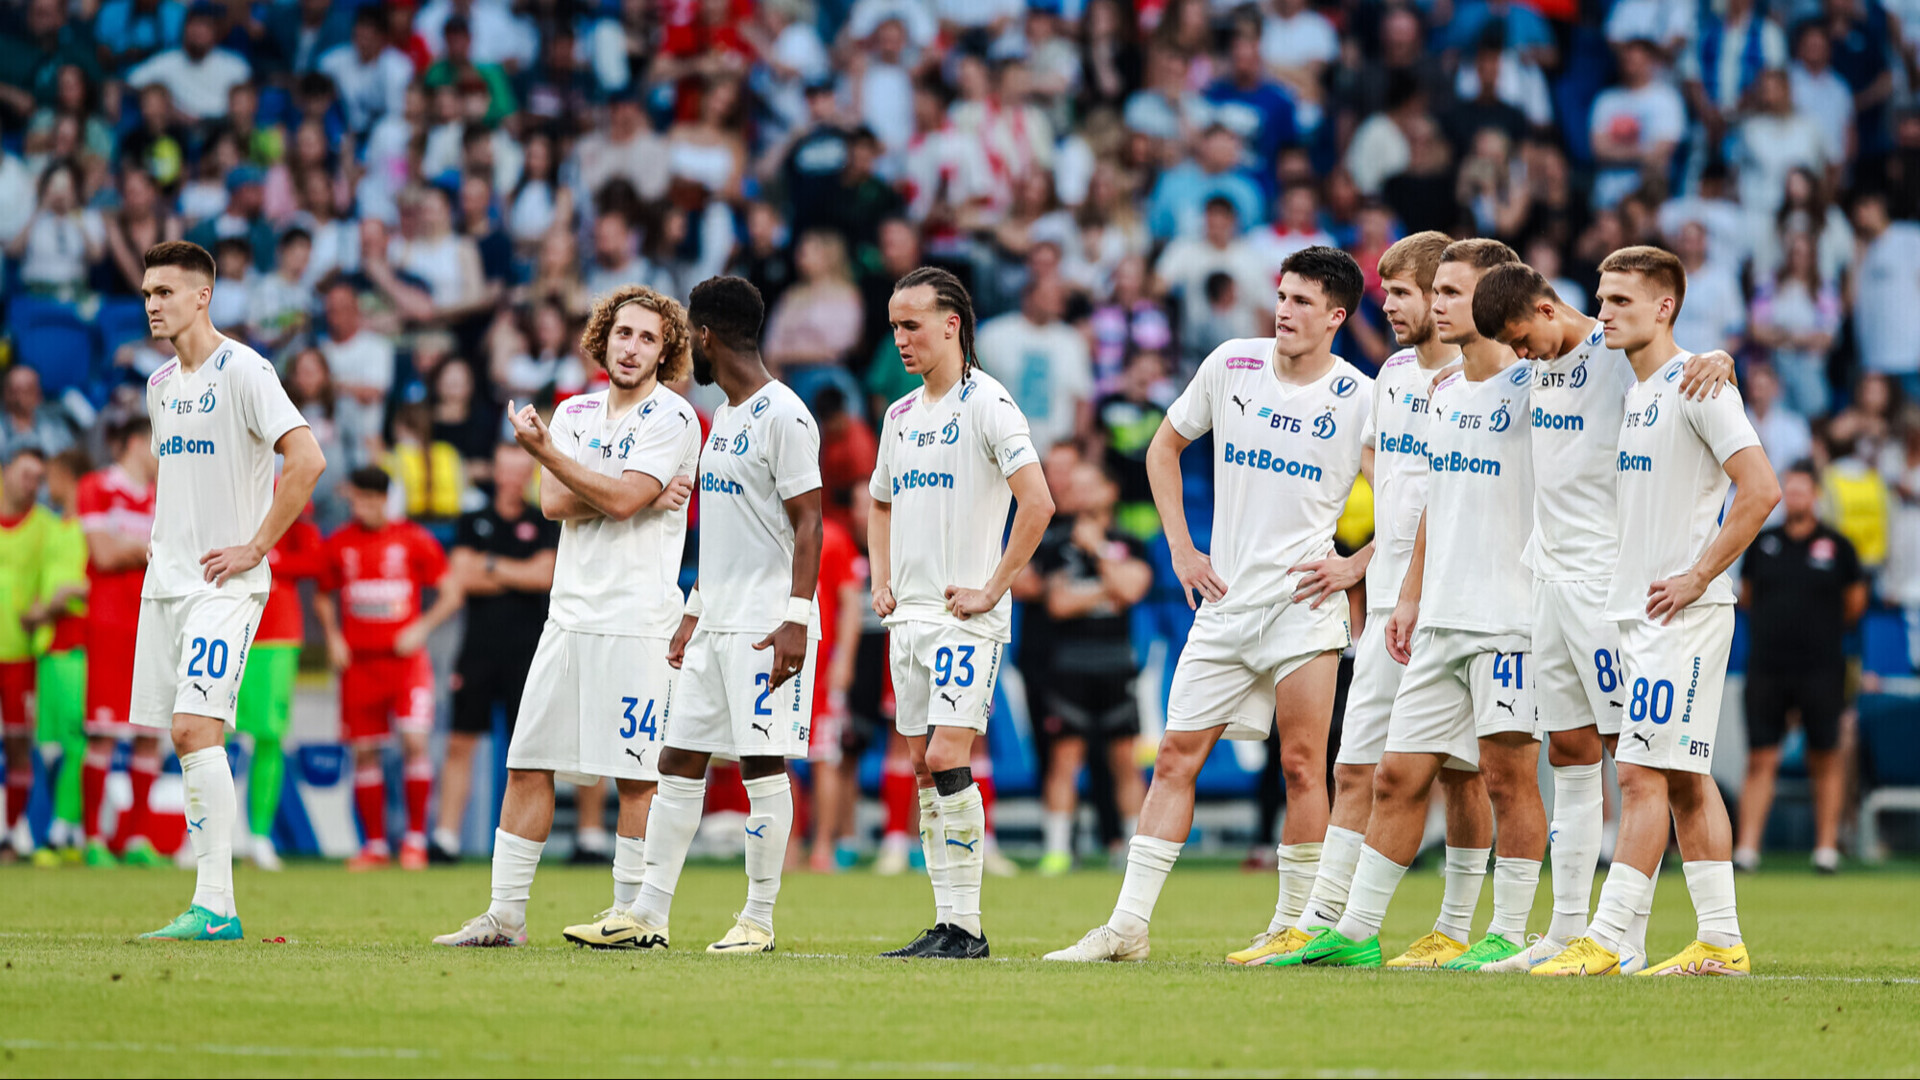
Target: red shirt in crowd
{"x":379,"y":574}
{"x":300,"y":554}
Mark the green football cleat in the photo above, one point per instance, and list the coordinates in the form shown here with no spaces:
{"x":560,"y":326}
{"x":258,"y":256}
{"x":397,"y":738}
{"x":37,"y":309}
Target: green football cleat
{"x":1055,"y":863}
{"x":198,"y":924}
{"x":140,"y":852}
{"x":100,"y":857}
{"x":1488,"y":950}
{"x":1334,"y":949}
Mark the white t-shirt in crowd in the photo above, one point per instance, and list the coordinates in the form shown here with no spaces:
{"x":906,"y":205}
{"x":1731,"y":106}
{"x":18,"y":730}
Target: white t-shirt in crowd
{"x":1643,"y":118}
{"x":1048,"y":369}
{"x":1886,"y":296}
{"x":198,"y":89}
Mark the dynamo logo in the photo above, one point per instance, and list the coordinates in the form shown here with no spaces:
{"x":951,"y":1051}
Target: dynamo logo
{"x":740,"y":444}
{"x":1652,"y":414}
{"x":1501,"y":419}
{"x":626,"y":445}
{"x":1344,"y":386}
{"x":1579,"y":378}
{"x":208,"y":401}
{"x":1323,"y":426}
{"x":951,"y":433}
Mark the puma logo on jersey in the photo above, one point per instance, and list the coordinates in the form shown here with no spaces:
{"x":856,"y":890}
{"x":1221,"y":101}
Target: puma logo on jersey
{"x":201,"y":689}
{"x":1507,"y":705}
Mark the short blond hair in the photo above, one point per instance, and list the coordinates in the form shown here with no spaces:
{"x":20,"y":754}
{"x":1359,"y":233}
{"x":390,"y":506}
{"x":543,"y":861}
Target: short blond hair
{"x":1658,"y":265}
{"x":1416,"y":256}
{"x":676,"y":356}
{"x":1479,"y":253}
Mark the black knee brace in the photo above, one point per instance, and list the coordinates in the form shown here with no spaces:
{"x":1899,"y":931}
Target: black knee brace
{"x":952,"y":781}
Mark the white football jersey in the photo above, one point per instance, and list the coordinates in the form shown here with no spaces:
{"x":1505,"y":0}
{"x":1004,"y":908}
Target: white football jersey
{"x":214,"y":431}
{"x":759,"y":454}
{"x":1284,"y":460}
{"x":1398,"y":434}
{"x":1578,"y":401}
{"x":1479,"y":505}
{"x":1672,"y":485}
{"x":943,"y":465}
{"x":623,"y":577}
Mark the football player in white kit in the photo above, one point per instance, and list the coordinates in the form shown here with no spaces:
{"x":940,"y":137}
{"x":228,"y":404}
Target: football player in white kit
{"x":1466,"y":699}
{"x":1580,"y":385}
{"x":1673,"y":602}
{"x":745,"y":646}
{"x":1288,"y":419}
{"x":618,"y":473}
{"x":952,"y":455}
{"x":219,"y":417}
{"x":1396,"y":464}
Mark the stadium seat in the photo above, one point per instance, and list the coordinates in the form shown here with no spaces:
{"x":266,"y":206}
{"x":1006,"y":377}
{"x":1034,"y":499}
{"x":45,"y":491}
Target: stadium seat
{"x":1883,"y":644}
{"x":120,"y":321}
{"x":50,"y":337}
{"x":1890,"y":763}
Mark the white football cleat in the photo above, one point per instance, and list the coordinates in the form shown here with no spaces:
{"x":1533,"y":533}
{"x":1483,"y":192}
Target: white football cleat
{"x":1538,"y":951}
{"x":263,"y":854}
{"x":484,"y":931}
{"x":745,"y":937}
{"x":616,"y":929}
{"x":1103,"y":943}
{"x":1632,"y":963}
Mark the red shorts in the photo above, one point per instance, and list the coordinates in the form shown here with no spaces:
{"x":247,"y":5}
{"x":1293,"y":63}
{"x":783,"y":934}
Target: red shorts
{"x":378,"y":689}
{"x":16,"y":686}
{"x":110,"y":681}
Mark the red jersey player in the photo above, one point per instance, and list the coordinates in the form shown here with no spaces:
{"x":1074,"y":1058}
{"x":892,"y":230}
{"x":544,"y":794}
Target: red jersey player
{"x":116,"y":513}
{"x":842,"y":579}
{"x":378,"y":567}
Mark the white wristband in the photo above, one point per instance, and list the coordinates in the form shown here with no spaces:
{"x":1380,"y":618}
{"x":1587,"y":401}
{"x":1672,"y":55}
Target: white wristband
{"x":799,"y":610}
{"x":694,"y":606}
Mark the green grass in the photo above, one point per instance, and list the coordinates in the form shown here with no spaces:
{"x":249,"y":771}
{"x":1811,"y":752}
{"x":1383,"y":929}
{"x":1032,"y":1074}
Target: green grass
{"x":358,"y":991}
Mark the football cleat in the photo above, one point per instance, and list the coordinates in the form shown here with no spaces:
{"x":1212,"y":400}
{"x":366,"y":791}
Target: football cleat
{"x":614,"y":929}
{"x":1433,"y":951}
{"x":1582,"y":956}
{"x":1331,"y":948}
{"x":1103,"y":943}
{"x":46,"y":858}
{"x":197,"y":924}
{"x":484,"y":931}
{"x":1538,"y":951}
{"x":956,"y":944}
{"x":1701,"y":958}
{"x":413,"y":854}
{"x":1298,"y":955}
{"x":746,"y":937}
{"x":891,"y":862}
{"x":918,"y":946}
{"x":1055,"y":863}
{"x":1488,"y":950}
{"x":263,"y":854}
{"x":1270,"y":944}
{"x":368,"y":859}
{"x":139,"y":852}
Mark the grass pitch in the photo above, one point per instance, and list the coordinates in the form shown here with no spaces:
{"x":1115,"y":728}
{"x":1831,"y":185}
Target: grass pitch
{"x":356,"y":990}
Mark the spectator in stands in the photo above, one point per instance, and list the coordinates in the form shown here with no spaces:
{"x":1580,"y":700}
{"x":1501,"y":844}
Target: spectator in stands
{"x":766,"y":259}
{"x":1900,"y":579}
{"x":558,"y":94}
{"x":462,"y":418}
{"x":1470,"y":116}
{"x":1730,"y":51}
{"x":1297,"y":227}
{"x":243,"y":219}
{"x":1861,"y":35}
{"x":847,"y":452}
{"x":26,"y":417}
{"x":864,"y":200}
{"x":1129,"y":320}
{"x":197,"y":73}
{"x":1043,"y":362}
{"x":539,"y":201}
{"x":1803,"y":588}
{"x":1382,"y":146}
{"x":1670,"y":26}
{"x":1784,"y":434}
{"x":480,"y":223}
{"x":1819,"y":92}
{"x":233,"y":263}
{"x":1886,"y":292}
{"x":458,"y":67}
{"x":1166,"y":109}
{"x":1805,"y":208}
{"x":1796,"y":316}
{"x":1636,"y":125}
{"x":887,"y":379}
{"x":499,"y":36}
{"x":300,"y":33}
{"x":1111,"y":64}
{"x":813,"y":328}
{"x":1127,"y":420}
{"x":878,"y":91}
{"x":626,"y":148}
{"x":533,"y":356}
{"x":1256,"y":107}
{"x":61,"y":239}
{"x":74,"y":103}
{"x":361,"y":363}
{"x":1187,"y":264}
{"x":447,"y":262}
{"x":1771,"y":141}
{"x":1715,"y":313}
{"x":129,"y":31}
{"x":430,"y":472}
{"x":1177,"y":208}
{"x":1298,"y":45}
{"x":557,"y":273}
{"x":616,"y":254}
{"x":1421,"y":195}
{"x":1854,"y":496}
{"x":32,"y":56}
{"x":309,"y":382}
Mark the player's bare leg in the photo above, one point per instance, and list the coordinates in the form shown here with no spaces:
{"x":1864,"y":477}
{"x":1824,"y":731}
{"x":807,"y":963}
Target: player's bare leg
{"x":211,"y":811}
{"x":1510,"y":763}
{"x":590,"y":830}
{"x":1061,"y":796}
{"x":1303,"y":713}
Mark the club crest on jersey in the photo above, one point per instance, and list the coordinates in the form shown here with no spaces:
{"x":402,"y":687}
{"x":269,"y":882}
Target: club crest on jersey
{"x":1652,"y":414}
{"x":1501,"y":419}
{"x":1323,"y":425}
{"x":207,"y":401}
{"x":951,"y":433}
{"x":646,"y":411}
{"x":740,"y":444}
{"x":1344,"y":386}
{"x":1579,"y":377}
{"x":760,"y":406}
{"x":1521,"y":374}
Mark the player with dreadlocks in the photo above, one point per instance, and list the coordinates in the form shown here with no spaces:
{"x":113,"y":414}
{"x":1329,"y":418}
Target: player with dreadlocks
{"x":952,"y":455}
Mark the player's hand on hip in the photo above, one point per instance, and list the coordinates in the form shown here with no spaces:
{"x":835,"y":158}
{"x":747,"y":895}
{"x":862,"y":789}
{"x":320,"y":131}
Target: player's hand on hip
{"x":1704,"y":374}
{"x":674,"y":495}
{"x":222,"y":563}
{"x":883,"y":602}
{"x":1406,"y":616}
{"x":409,"y":639}
{"x":964,"y":604}
{"x":677,"y":648}
{"x":1669,"y":597}
{"x":1326,"y":577}
{"x":1195,"y":570}
{"x":789,"y":645}
{"x":528,"y":429}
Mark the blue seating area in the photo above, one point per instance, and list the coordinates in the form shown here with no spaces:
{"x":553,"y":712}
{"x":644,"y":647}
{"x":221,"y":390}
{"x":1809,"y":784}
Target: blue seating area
{"x":72,"y":345}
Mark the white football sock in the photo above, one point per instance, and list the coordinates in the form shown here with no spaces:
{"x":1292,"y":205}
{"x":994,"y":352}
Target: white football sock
{"x":1056,"y":831}
{"x":933,"y":844}
{"x":211,"y":810}
{"x":629,"y":869}
{"x":447,"y":839}
{"x":1574,"y":845}
{"x":672,"y":822}
{"x":769,"y":825}
{"x":515,"y":858}
{"x":1339,"y":854}
{"x":1149,"y":861}
{"x":1374,"y":880}
{"x":1711,"y":886}
{"x":1625,"y":891}
{"x":963,"y":825}
{"x":1299,"y":866}
{"x":1515,"y":881}
{"x":1636,"y":939}
{"x":1466,"y":873}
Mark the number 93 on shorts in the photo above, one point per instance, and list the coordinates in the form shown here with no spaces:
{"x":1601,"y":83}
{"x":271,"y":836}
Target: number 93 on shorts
{"x":726,"y":704}
{"x":189,"y":653}
{"x":942,"y":676}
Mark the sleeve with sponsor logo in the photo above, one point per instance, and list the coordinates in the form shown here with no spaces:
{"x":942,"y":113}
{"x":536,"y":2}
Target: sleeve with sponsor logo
{"x":263,"y":403}
{"x":1721,"y":422}
{"x":1004,"y":435}
{"x":880,"y":484}
{"x":793,"y":450}
{"x":655,"y":443}
{"x":1191,"y":414}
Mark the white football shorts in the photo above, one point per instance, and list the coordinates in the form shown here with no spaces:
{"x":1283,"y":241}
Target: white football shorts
{"x":1376,"y":679}
{"x":1674,"y":678}
{"x":1576,"y":657}
{"x":1226,"y":675}
{"x":188,"y":654}
{"x":1462,"y":686}
{"x":725,"y":703}
{"x":594,"y":705}
{"x":943,"y":676}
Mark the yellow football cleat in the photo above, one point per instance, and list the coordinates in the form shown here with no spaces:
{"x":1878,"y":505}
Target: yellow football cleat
{"x":1431,"y":951}
{"x":1271,"y":944}
{"x":1701,"y":958}
{"x":1582,"y":956}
